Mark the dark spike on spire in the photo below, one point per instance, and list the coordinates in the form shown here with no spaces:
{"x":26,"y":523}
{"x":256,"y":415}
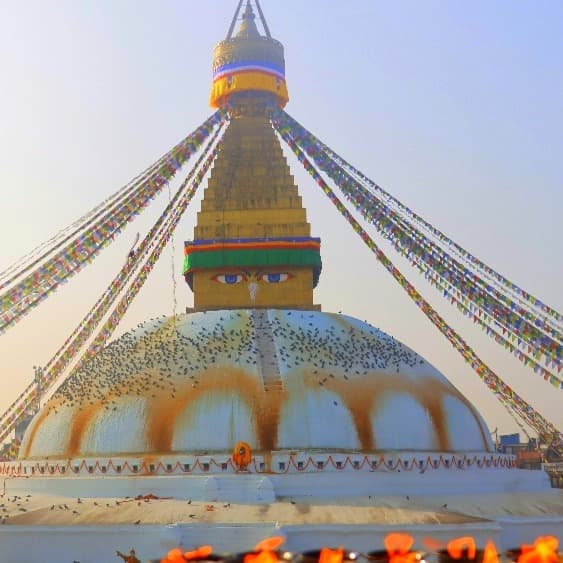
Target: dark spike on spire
{"x":234,"y":20}
{"x":248,"y":26}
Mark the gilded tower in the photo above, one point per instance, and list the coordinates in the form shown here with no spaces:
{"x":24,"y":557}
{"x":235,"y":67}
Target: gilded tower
{"x":252,"y":244}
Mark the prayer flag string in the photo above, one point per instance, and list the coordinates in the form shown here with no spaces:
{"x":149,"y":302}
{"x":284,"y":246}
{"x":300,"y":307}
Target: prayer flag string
{"x":549,"y":314}
{"x":121,"y":308}
{"x":44,"y":250}
{"x":17,"y":301}
{"x":503,"y":392}
{"x":153,"y":240}
{"x":459,"y":285}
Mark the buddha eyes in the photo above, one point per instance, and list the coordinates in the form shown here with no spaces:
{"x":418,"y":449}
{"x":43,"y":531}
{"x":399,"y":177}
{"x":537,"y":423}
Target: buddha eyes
{"x":274,"y":278}
{"x":230,"y":279}
{"x":234,"y":278}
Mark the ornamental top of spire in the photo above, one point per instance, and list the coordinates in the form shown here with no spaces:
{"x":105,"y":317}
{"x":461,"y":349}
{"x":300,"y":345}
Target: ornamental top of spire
{"x":248,"y":64}
{"x":248,"y":26}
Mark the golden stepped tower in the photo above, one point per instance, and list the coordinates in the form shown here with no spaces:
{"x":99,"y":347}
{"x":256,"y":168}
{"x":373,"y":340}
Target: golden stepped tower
{"x":251,"y":192}
{"x":252,"y":244}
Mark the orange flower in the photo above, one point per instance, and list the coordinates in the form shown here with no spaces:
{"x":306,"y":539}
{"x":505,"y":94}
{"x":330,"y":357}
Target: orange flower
{"x":269,"y":544}
{"x":396,"y":543}
{"x":265,"y":551}
{"x":490,"y":553}
{"x":544,"y":550}
{"x":199,"y":553}
{"x":331,"y":555}
{"x":398,"y":548}
{"x":174,"y":556}
{"x":458,"y":546}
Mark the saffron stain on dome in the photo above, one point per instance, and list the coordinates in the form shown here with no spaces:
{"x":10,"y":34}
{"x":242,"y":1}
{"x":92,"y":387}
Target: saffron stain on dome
{"x":430,"y":394}
{"x":32,"y":431}
{"x":209,"y":380}
{"x":269,"y":415}
{"x":163,"y":413}
{"x":80,"y":424}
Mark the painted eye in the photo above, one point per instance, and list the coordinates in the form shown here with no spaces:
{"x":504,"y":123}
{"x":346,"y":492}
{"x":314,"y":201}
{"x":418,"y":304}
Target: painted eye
{"x":229,"y":279}
{"x":275,"y":278}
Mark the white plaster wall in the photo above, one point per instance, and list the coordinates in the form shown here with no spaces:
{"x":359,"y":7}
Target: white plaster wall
{"x":215,"y":421}
{"x":256,"y":488}
{"x":313,"y":418}
{"x":117,"y":430}
{"x":463,"y":428}
{"x":51,"y":437}
{"x":400,"y":421}
{"x":516,"y":531}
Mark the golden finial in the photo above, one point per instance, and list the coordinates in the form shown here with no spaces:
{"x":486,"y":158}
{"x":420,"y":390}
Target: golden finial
{"x":248,"y":26}
{"x":249,"y":63}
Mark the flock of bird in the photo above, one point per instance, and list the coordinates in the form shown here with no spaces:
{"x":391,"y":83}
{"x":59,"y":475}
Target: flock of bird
{"x":164,"y":354}
{"x":13,"y":506}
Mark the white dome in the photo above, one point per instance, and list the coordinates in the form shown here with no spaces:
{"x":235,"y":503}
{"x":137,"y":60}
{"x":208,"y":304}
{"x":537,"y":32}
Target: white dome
{"x":277,"y":379}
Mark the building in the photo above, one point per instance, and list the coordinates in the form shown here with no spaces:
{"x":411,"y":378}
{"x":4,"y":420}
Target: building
{"x":264,"y":412}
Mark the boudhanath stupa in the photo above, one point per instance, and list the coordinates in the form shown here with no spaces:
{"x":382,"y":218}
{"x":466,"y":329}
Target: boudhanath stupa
{"x":257,"y":413}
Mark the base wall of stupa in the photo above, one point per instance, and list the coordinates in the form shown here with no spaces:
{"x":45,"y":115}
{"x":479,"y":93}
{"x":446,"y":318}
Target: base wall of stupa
{"x":313,"y":475}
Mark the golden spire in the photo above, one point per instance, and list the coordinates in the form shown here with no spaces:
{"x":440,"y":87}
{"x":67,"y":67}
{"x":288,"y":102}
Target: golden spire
{"x":252,"y":243}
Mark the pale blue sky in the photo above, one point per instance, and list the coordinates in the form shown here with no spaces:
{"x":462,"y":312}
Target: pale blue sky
{"x":454,"y":107}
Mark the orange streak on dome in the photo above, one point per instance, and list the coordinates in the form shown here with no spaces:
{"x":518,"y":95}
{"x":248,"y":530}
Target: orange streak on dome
{"x":357,"y":395}
{"x":430,"y":393}
{"x":43,"y":414}
{"x":361,"y":394}
{"x":80,"y":424}
{"x":163,"y":413}
{"x":474,"y":413}
{"x":268,"y":415}
{"x":359,"y":398}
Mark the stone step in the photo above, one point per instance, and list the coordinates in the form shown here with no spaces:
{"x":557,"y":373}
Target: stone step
{"x":267,"y":356}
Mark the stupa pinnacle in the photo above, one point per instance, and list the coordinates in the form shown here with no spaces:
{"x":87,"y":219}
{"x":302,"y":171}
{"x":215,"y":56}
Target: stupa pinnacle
{"x":252,"y":244}
{"x":261,"y":367}
{"x":255,"y":398}
{"x":248,"y":26}
{"x":248,"y":63}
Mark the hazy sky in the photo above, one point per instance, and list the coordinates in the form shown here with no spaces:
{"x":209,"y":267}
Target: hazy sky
{"x":454,"y":107}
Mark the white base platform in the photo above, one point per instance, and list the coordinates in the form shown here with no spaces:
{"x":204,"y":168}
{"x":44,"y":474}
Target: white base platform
{"x":265,"y":488}
{"x":98,"y":543}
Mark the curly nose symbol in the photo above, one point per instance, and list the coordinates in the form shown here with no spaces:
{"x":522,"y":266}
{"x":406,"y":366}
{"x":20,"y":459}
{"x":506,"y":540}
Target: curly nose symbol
{"x":252,"y":290}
